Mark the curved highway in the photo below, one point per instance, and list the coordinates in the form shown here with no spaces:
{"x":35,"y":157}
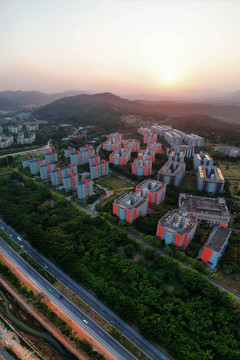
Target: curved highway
{"x":83,"y":294}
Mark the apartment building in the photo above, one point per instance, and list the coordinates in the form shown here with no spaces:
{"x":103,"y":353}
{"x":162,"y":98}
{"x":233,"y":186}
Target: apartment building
{"x":148,"y":153}
{"x":161,"y":129}
{"x":32,"y":127}
{"x":35,"y":164}
{"x":155,"y":191}
{"x":56,"y":177}
{"x":194,"y":140}
{"x":210,"y":179}
{"x":120,"y":157}
{"x":113,"y":142}
{"x":70,"y":150}
{"x":142,"y":167}
{"x":14,"y":129}
{"x":215,"y":246}
{"x":176,"y":157}
{"x":156,"y":147}
{"x":229,"y":150}
{"x":85,"y":188}
{"x":99,"y":169}
{"x":132,"y":144}
{"x":70,"y":181}
{"x":172,"y":173}
{"x":45,"y":170}
{"x":173,"y":138}
{"x":212,"y":210}
{"x":6,"y":141}
{"x":202,"y":159}
{"x":21,"y":139}
{"x":66,"y":170}
{"x":130,"y":206}
{"x":51,"y":157}
{"x":187,"y":150}
{"x":177,"y":228}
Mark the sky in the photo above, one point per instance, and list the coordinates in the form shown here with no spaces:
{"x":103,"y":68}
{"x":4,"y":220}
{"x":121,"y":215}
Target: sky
{"x":122,"y":46}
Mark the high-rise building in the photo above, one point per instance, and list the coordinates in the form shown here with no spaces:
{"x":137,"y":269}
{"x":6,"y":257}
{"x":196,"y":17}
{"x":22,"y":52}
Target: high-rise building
{"x":210,"y":179}
{"x":70,"y":181}
{"x":130,"y":206}
{"x":132,"y":144}
{"x":202,"y":159}
{"x":120,"y":157}
{"x":113,"y":142}
{"x":155,"y":191}
{"x":172,"y":173}
{"x":51,"y":157}
{"x":142,"y":167}
{"x":45,"y":170}
{"x":69,"y":151}
{"x":85,"y":188}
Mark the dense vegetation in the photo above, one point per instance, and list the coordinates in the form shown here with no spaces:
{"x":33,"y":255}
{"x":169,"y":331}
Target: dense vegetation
{"x":171,"y":304}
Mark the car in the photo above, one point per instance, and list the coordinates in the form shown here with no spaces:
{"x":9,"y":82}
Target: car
{"x":103,"y":310}
{"x":18,"y":237}
{"x":3,"y":227}
{"x":46,"y":267}
{"x":112,"y":322}
{"x":11,"y":235}
{"x":61,"y":297}
{"x":22,"y":246}
{"x":85,"y":321}
{"x":50,"y":290}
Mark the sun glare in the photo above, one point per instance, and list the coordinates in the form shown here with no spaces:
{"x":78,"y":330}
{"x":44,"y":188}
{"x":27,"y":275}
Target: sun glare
{"x":169,"y":75}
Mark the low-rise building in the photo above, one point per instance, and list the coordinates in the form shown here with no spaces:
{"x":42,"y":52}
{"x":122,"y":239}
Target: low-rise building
{"x":85,"y":189}
{"x":202,"y":159}
{"x":130,"y":206}
{"x":120,"y":157}
{"x":70,"y":181}
{"x":177,"y":228}
{"x":142,"y":167}
{"x":187,"y":150}
{"x":176,"y":157}
{"x":155,"y":191}
{"x":172,"y":173}
{"x":212,"y":210}
{"x":210,"y":179}
{"x":194,"y":140}
{"x":215,"y":246}
{"x":132,"y":144}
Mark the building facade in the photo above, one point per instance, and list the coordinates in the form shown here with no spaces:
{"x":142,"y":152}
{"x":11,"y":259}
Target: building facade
{"x":132,"y":144}
{"x":142,"y":167}
{"x":120,"y":157}
{"x":202,"y":159}
{"x":176,"y":157}
{"x":51,"y":157}
{"x":85,"y":189}
{"x":187,"y":150}
{"x":70,"y":181}
{"x":69,"y":151}
{"x":45,"y":170}
{"x":194,"y":140}
{"x":210,"y":179}
{"x":172,"y":173}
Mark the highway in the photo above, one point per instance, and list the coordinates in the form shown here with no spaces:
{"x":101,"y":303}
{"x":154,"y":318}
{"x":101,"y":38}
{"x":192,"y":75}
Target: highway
{"x":83,"y":294}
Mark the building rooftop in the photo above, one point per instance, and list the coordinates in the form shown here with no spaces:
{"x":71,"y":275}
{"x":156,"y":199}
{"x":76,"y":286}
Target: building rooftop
{"x":120,"y":153}
{"x":217,"y":238}
{"x":210,"y":173}
{"x":203,"y":205}
{"x":130,"y":200}
{"x":142,"y":162}
{"x":152,"y":185}
{"x":172,"y":168}
{"x":177,"y":221}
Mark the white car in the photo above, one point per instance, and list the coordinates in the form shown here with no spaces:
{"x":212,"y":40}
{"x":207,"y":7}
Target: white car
{"x":85,"y":321}
{"x":3,"y":227}
{"x":11,"y":235}
{"x":18,"y":237}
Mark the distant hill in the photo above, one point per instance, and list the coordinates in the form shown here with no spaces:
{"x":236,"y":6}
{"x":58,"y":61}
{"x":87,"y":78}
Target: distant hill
{"x":76,"y":104}
{"x":16,"y":99}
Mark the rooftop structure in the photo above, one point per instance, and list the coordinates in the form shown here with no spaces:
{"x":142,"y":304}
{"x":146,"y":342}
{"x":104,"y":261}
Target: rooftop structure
{"x":177,"y":228}
{"x":194,"y":140}
{"x":113,"y":142}
{"x":157,"y":147}
{"x":132,"y":144}
{"x":142,"y":167}
{"x":130,"y":206}
{"x":202,"y":159}
{"x":210,"y":179}
{"x":172,"y":173}
{"x":120,"y":157}
{"x":155,"y":191}
{"x":212,"y":210}
{"x":215,"y":246}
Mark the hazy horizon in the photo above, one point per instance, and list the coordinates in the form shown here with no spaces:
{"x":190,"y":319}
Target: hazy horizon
{"x":127,"y":47}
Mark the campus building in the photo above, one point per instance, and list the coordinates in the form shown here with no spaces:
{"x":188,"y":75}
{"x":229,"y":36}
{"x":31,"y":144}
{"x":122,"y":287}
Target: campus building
{"x":156,"y":147}
{"x":45,"y":170}
{"x":194,"y":140}
{"x":202,"y":159}
{"x":210,"y":179}
{"x":113,"y":142}
{"x":215,"y":246}
{"x":85,"y":188}
{"x":132,"y":144}
{"x":70,"y":181}
{"x":51,"y":157}
{"x":212,"y":210}
{"x":120,"y":157}
{"x":187,"y":150}
{"x":176,"y":157}
{"x":69,"y":151}
{"x":177,"y":228}
{"x":142,"y":167}
{"x":172,"y":173}
{"x":99,"y":169}
{"x":148,"y":153}
{"x":155,"y":191}
{"x":130,"y":206}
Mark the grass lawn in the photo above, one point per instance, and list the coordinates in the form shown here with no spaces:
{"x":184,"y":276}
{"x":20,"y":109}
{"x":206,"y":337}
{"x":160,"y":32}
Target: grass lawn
{"x":114,"y":183}
{"x":230,"y":170}
{"x":189,"y":182}
{"x":235,"y":188}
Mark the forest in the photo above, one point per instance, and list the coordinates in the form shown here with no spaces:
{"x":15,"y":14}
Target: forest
{"x":170,"y":304}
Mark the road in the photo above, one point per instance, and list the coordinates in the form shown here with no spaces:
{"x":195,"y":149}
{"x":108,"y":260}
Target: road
{"x":4,"y":355}
{"x":44,"y":149}
{"x":83,"y":294}
{"x":66,"y":305}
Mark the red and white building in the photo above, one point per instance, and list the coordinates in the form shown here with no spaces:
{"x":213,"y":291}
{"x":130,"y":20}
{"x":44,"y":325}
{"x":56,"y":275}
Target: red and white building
{"x":132,"y":144}
{"x":142,"y":167}
{"x":155,"y":191}
{"x":130,"y":206}
{"x":120,"y":157}
{"x":113,"y":142}
{"x":157,"y":147}
{"x":175,"y":227}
